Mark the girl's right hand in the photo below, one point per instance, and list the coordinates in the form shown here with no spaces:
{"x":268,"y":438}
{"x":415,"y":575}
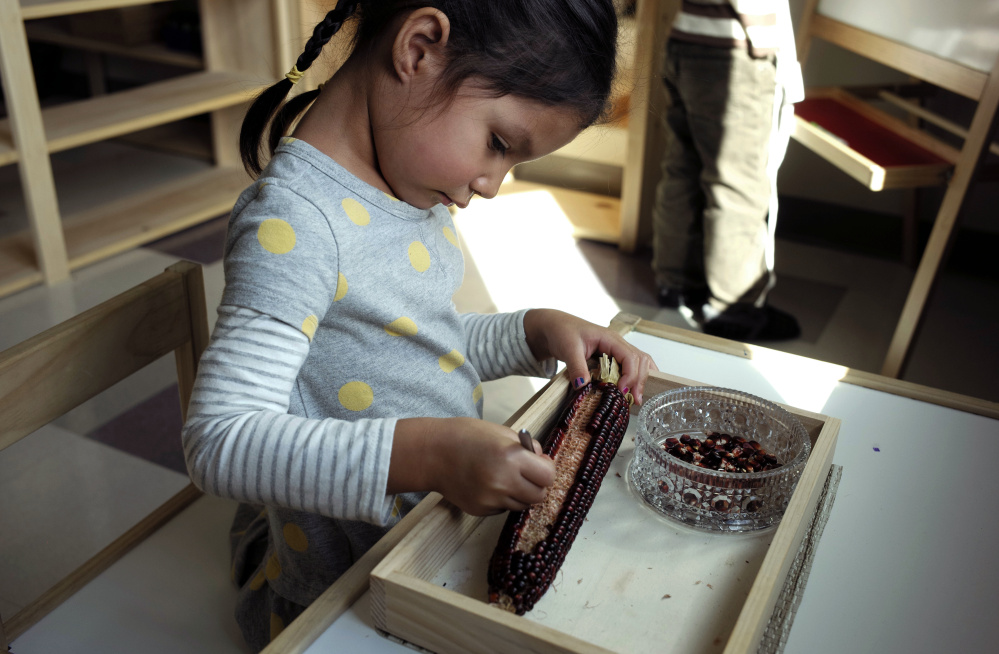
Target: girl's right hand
{"x":478,"y":466}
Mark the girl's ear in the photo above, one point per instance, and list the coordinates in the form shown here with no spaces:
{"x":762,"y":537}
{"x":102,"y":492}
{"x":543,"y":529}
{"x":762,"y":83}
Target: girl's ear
{"x":419,"y":44}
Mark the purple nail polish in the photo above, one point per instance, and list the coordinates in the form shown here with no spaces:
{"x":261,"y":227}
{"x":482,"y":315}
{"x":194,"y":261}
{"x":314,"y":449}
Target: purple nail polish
{"x":625,"y":391}
{"x":579,"y":383}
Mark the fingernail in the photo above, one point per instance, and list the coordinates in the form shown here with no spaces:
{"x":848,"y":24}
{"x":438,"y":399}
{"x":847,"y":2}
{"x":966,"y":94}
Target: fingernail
{"x":625,"y":391}
{"x":579,"y":383}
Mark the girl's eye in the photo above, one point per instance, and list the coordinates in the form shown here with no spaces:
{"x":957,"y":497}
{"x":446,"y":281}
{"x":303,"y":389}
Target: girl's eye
{"x":498,"y":145}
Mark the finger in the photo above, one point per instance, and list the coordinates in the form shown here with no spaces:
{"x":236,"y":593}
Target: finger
{"x":514,"y":505}
{"x":538,"y":471}
{"x":527,"y":492}
{"x":630,"y":360}
{"x":644,"y":366}
{"x":576,"y":369}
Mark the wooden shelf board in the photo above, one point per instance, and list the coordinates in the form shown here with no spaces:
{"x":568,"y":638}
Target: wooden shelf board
{"x":135,"y":220}
{"x":18,"y":265}
{"x":74,"y":124}
{"x":48,"y":33}
{"x":87,"y":121}
{"x":31,"y":9}
{"x":126,"y":223}
{"x":188,"y":137}
{"x":8,"y":154}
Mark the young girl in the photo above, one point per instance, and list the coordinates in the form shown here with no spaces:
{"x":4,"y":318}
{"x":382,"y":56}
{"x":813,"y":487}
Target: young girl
{"x":341,"y":384}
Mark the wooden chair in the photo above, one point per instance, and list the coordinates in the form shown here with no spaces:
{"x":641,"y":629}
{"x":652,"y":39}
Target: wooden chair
{"x":883,"y":151}
{"x":46,"y":376}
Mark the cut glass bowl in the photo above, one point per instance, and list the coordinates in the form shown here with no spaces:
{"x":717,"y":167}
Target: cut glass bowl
{"x":714,"y":500}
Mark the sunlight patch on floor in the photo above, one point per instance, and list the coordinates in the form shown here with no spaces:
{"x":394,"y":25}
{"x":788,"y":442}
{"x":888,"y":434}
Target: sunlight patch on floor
{"x":523,"y":247}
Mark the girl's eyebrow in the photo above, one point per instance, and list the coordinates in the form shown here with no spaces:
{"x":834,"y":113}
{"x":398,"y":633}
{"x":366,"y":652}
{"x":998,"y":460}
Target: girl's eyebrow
{"x":520,"y":136}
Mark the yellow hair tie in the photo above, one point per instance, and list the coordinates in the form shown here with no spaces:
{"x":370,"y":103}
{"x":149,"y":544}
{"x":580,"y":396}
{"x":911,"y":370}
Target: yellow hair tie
{"x":294,"y":74}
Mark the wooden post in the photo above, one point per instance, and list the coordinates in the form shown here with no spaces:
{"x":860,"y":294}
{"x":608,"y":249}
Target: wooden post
{"x":189,"y":354}
{"x":641,"y":169}
{"x":980,"y":135}
{"x":28,"y":133}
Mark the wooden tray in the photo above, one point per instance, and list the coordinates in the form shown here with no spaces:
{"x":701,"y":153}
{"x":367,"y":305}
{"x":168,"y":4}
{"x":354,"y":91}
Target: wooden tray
{"x":633,"y":580}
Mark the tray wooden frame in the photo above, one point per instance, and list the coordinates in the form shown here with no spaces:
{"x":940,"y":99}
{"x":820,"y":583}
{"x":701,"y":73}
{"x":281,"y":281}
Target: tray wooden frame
{"x":353,"y":584}
{"x":406,"y":604}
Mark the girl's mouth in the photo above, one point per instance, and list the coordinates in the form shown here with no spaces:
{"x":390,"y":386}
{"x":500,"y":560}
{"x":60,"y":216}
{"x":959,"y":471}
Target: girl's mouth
{"x":447,"y":201}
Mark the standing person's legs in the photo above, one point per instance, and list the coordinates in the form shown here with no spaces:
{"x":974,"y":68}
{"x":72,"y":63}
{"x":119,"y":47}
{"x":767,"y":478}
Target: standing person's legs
{"x":678,"y":242}
{"x":729,"y":99}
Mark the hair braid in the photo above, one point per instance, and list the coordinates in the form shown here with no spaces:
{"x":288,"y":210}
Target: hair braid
{"x":323,"y":32}
{"x":267,"y":103}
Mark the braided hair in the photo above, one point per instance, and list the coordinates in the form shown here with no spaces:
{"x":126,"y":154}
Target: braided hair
{"x":556,"y":52}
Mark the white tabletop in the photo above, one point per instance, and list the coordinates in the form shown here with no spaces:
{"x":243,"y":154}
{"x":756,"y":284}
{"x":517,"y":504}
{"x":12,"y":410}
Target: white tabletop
{"x":908,"y":559}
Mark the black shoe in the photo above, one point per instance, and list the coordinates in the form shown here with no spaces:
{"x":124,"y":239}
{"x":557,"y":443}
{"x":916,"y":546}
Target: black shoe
{"x":745,"y":322}
{"x":670,"y":298}
{"x":673,"y":298}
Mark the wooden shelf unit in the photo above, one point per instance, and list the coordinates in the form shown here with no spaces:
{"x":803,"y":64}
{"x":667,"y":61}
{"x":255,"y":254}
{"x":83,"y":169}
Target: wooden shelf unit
{"x":243,"y":53}
{"x":87,"y":121}
{"x":938,"y":164}
{"x":48,"y":32}
{"x":31,"y":9}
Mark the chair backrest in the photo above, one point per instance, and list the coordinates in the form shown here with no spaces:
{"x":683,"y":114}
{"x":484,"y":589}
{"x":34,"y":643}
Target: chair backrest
{"x":48,"y":375}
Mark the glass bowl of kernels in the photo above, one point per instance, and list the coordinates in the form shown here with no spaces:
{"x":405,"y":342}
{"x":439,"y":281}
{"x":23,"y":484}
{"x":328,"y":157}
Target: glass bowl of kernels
{"x":717,"y":459}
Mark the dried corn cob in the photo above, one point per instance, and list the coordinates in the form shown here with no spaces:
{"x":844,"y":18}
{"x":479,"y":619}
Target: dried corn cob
{"x":534,"y":542}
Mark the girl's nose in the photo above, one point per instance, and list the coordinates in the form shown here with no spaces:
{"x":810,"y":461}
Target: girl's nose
{"x":487,"y":185}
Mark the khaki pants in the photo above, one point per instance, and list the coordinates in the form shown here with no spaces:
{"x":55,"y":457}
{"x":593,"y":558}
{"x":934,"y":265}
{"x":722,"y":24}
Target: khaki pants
{"x":710,"y":216}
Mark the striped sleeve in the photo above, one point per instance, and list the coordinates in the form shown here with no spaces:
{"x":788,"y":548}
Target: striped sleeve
{"x":240,"y":441}
{"x":751,"y":24}
{"x":496,"y":346}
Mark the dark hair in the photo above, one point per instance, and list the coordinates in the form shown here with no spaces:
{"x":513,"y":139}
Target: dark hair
{"x":557,"y":52}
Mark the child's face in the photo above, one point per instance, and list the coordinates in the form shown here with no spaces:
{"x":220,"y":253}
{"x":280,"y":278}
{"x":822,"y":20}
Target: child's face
{"x":428,"y":156}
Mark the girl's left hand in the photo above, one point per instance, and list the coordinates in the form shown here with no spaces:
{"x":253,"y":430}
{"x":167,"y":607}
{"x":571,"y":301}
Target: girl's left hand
{"x":557,"y":334}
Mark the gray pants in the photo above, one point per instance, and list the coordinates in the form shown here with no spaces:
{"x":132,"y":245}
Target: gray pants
{"x":710,"y":216}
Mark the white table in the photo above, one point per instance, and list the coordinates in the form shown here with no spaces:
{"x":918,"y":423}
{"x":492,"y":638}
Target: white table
{"x":908,"y":559}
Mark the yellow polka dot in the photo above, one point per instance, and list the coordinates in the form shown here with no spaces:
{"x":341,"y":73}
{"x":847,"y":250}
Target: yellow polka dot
{"x":451,"y":237}
{"x":397,"y":506}
{"x":287,"y":139}
{"x":277,"y":625}
{"x":419,"y":258}
{"x":401,"y":327}
{"x":295,"y":537}
{"x":276,"y":236}
{"x":356,"y":396}
{"x":390,"y":197}
{"x":309,"y":326}
{"x":477,"y":394}
{"x":451,"y":360}
{"x":341,"y":287}
{"x":356,"y":211}
{"x":273,"y":567}
{"x":257,"y":582}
